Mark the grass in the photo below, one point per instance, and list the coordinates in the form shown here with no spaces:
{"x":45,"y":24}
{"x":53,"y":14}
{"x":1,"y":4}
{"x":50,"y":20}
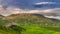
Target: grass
{"x":29,"y":24}
{"x":35,"y":29}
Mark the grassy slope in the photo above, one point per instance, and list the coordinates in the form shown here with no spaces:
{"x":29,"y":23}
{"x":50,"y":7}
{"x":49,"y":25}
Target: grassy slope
{"x":29,"y":24}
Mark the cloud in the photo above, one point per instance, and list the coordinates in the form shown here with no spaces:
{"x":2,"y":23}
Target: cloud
{"x":45,"y":11}
{"x":13,"y":10}
{"x":8,"y":11}
{"x":7,"y":7}
{"x":45,"y":3}
{"x":55,"y":11}
{"x":54,"y":17}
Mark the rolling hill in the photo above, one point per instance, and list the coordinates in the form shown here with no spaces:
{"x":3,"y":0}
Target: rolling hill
{"x":28,"y":24}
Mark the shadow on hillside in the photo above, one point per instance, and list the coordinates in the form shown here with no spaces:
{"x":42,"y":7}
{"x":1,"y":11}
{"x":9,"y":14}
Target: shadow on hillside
{"x":17,"y":29}
{"x":13,"y":29}
{"x":38,"y":15}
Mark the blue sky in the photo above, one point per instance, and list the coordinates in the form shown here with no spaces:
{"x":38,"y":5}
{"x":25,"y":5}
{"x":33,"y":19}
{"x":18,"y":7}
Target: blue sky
{"x":26,"y":4}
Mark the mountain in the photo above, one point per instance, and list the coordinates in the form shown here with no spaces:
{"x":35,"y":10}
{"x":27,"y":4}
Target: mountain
{"x":28,"y":23}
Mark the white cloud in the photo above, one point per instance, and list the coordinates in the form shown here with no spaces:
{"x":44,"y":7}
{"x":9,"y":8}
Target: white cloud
{"x":8,"y":11}
{"x":44,"y":11}
{"x":45,"y":3}
{"x":13,"y":10}
{"x":54,"y":17}
{"x":49,"y":13}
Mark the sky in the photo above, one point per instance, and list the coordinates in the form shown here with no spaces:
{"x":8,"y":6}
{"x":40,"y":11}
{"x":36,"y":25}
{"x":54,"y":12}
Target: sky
{"x":44,"y":7}
{"x":27,"y":4}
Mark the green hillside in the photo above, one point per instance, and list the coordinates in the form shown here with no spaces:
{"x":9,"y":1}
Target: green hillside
{"x":28,"y":24}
